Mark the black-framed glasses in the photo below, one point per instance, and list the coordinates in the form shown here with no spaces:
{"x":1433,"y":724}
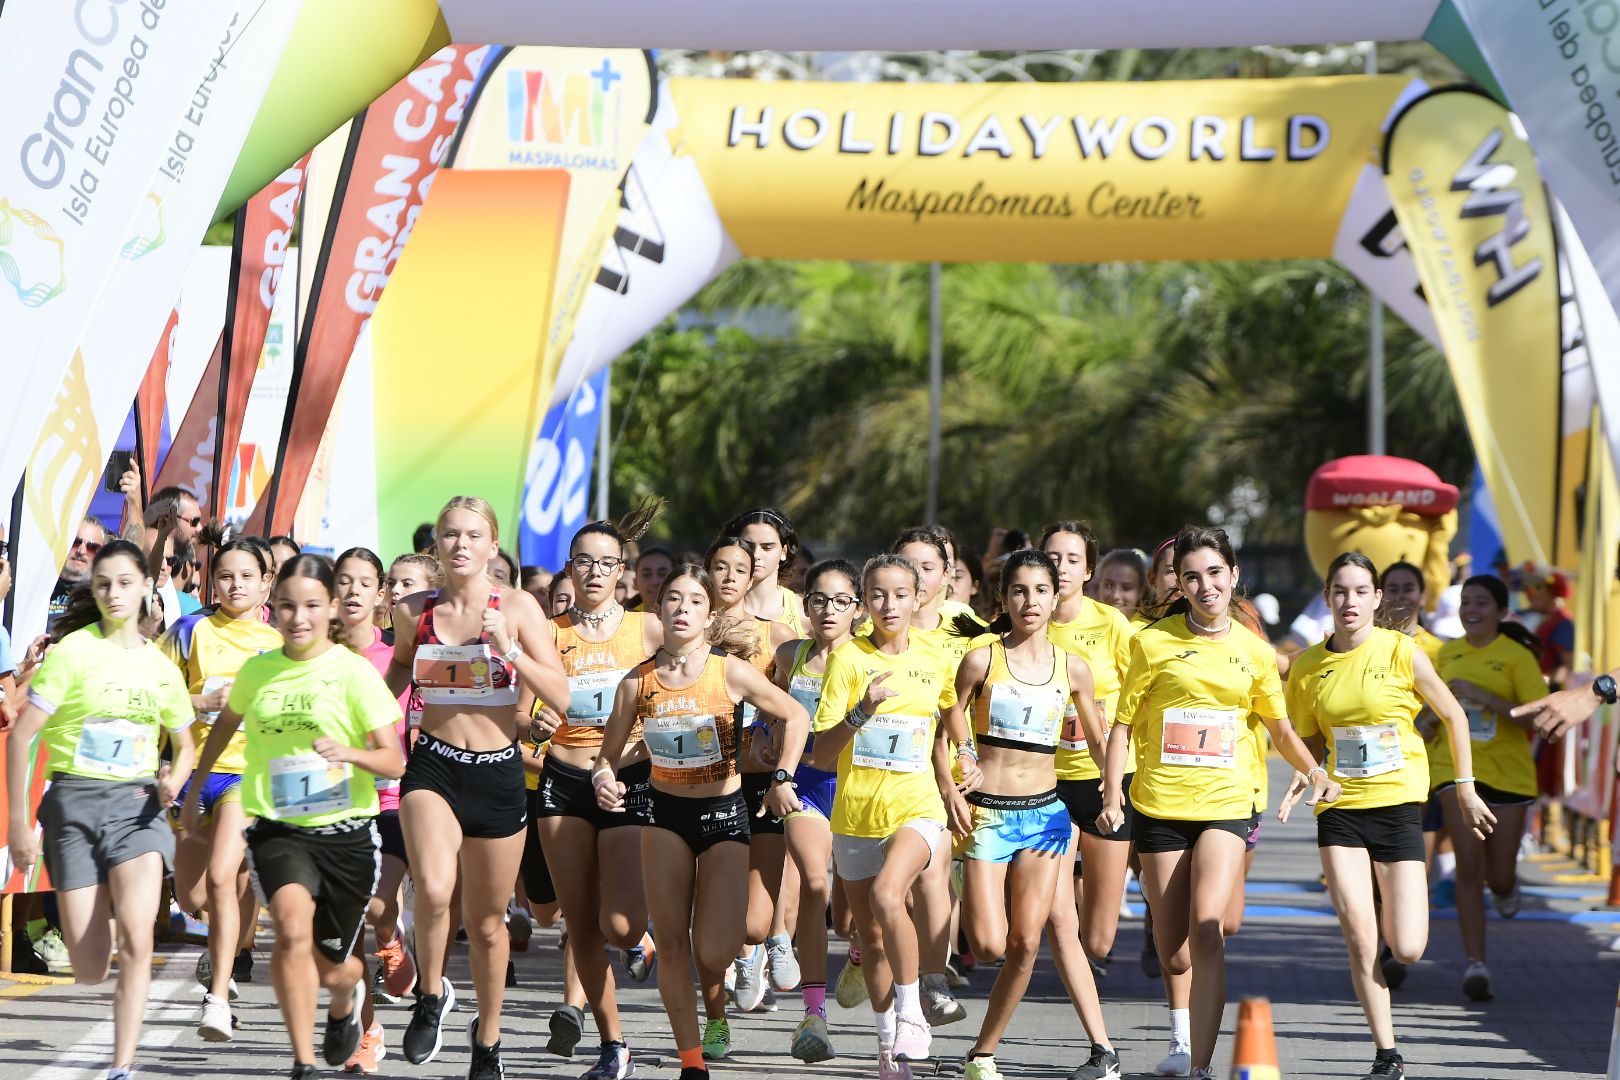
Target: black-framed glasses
{"x":820,"y":601}
{"x":584,"y":564}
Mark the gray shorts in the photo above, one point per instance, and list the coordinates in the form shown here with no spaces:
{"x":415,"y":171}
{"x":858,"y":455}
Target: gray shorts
{"x":93,"y":825}
{"x":860,"y":858}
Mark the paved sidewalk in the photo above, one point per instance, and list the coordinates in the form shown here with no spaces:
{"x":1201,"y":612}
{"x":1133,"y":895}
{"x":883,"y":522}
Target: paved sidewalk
{"x":1555,"y":987}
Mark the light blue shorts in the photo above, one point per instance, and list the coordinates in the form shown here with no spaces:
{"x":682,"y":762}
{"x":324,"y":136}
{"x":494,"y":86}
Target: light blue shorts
{"x":1004,"y":825}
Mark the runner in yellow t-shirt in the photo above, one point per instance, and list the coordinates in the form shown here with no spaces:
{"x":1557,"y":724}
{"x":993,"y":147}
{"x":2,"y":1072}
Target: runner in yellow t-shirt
{"x":320,"y":726}
{"x":1355,"y":696}
{"x":100,"y":701}
{"x":1193,"y":680}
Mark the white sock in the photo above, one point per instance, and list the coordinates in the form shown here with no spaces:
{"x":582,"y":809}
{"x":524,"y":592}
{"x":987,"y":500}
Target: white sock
{"x":907,"y":999}
{"x":885,"y":1026}
{"x":1181,"y":1026}
{"x":1445,"y":865}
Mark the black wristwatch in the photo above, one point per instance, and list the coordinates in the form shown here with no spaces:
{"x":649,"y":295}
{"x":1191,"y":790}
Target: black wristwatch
{"x":1604,"y":687}
{"x":781,"y":776}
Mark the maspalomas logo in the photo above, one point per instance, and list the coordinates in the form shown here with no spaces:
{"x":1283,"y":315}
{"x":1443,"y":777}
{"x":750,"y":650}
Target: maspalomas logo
{"x":558,"y":117}
{"x":32,"y":256}
{"x":148,"y":233}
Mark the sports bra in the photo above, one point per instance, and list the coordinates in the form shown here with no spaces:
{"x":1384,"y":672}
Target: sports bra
{"x":468,"y":674}
{"x":1015,"y":715}
{"x":691,"y":733}
{"x":594,"y":669}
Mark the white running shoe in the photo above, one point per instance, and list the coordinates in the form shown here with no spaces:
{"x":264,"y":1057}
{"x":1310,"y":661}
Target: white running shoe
{"x":750,"y":971}
{"x":783,"y":964}
{"x":216,"y":1020}
{"x":1477,"y":982}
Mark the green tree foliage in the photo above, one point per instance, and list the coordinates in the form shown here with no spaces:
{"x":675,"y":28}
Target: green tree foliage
{"x":1140,"y":397}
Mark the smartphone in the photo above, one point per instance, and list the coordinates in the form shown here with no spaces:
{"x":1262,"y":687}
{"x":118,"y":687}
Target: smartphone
{"x":117,"y":466}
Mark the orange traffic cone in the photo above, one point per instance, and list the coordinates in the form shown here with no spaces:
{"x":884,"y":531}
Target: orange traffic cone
{"x":1255,"y":1055}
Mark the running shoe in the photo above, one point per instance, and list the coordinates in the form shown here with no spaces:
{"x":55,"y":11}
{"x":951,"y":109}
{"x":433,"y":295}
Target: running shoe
{"x":187,"y":925}
{"x":912,"y":1041}
{"x":567,"y":1028}
{"x":1099,"y":970}
{"x":342,"y":1036}
{"x":1202,"y":1073}
{"x":642,"y":960}
{"x":1387,"y":1068}
{"x":1101,"y":1065}
{"x":216,"y":1020}
{"x":518,"y":930}
{"x":811,"y":1042}
{"x":486,"y":1060}
{"x":1477,"y":982}
{"x":371,"y":1051}
{"x":982,"y":1067}
{"x":424,"y":1037}
{"x":783,"y":963}
{"x":1508,"y":903}
{"x":118,"y":1074}
{"x":242,"y":967}
{"x":850,"y":989}
{"x":396,"y":970}
{"x":938,"y":1005}
{"x":1150,"y":958}
{"x":1443,"y":893}
{"x":205,"y":974}
{"x":1394,"y":971}
{"x":954,"y":978}
{"x":1178,"y":1062}
{"x":613,"y":1064}
{"x":511,"y":974}
{"x":891,"y":1067}
{"x":716,"y":1040}
{"x":750,"y":978}
{"x":692,"y":1072}
{"x":303,"y":1072}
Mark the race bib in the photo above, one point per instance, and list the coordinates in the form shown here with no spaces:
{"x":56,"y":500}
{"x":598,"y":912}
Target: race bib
{"x":590,"y":697}
{"x":120,"y":748}
{"x":806,"y":690}
{"x":303,"y":785}
{"x":894,"y":743}
{"x":1481,"y":724}
{"x":1369,"y":750}
{"x":1073,"y":735}
{"x":449,"y":673}
{"x":1206,"y":738}
{"x":682,"y":742}
{"x":211,"y":684}
{"x":1023,"y":714}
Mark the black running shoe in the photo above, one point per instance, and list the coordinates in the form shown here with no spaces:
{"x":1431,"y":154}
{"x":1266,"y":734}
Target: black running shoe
{"x":242,"y":966}
{"x":1101,"y":1065}
{"x":1387,"y":1066}
{"x":486,"y":1060}
{"x":303,"y":1072}
{"x":424,"y":1036}
{"x":567,"y":1028}
{"x":511,"y":974}
{"x":1394,"y":970}
{"x":342,"y":1036}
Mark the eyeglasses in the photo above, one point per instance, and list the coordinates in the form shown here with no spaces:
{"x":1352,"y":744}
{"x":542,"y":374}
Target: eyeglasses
{"x":584,"y":564}
{"x":194,"y":522}
{"x":89,"y":545}
{"x":173,"y":562}
{"x":820,"y":601}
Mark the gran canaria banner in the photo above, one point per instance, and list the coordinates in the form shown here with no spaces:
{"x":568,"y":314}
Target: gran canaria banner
{"x":1013,"y":172}
{"x":1476,"y":216}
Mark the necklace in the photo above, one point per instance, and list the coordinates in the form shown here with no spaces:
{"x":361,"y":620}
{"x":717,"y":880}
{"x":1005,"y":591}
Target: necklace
{"x":680,"y":658}
{"x":1202,"y":629}
{"x":594,"y":620}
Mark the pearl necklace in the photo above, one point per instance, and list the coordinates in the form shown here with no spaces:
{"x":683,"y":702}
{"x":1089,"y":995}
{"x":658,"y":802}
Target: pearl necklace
{"x":1202,"y":629}
{"x":594,"y":621}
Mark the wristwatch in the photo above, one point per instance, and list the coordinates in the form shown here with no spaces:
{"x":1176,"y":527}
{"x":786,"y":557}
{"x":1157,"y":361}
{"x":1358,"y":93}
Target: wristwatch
{"x":1604,"y":687}
{"x":781,"y":776}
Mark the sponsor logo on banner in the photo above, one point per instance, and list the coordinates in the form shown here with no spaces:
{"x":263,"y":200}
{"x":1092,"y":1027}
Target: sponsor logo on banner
{"x":32,"y":256}
{"x":1472,"y":206}
{"x":563,"y":106}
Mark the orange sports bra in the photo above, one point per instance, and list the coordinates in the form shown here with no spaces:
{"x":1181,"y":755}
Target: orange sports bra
{"x":691,"y":733}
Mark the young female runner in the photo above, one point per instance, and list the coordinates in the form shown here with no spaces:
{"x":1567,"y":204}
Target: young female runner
{"x":320,"y":726}
{"x":101,"y":701}
{"x":696,"y":848}
{"x":831,"y":603}
{"x":1193,"y":680}
{"x":1018,"y":690}
{"x":1356,"y":696}
{"x":1491,"y":669}
{"x":601,"y":895}
{"x":878,"y":719}
{"x":776,"y":550}
{"x":462,"y":802}
{"x":209,"y":870}
{"x":1122,"y":580}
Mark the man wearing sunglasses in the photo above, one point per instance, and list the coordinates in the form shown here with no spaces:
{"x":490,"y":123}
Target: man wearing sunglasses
{"x":76,"y":570}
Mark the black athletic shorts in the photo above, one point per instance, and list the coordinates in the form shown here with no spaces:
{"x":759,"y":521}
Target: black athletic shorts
{"x":1084,"y":800}
{"x":484,"y":788}
{"x":1389,"y":833}
{"x":536,"y":873}
{"x":1492,"y":796}
{"x":338,"y":864}
{"x":1251,"y":839}
{"x":393,"y":837}
{"x":567,"y":791}
{"x":702,"y":823}
{"x":755,"y":785}
{"x":1163,"y":834}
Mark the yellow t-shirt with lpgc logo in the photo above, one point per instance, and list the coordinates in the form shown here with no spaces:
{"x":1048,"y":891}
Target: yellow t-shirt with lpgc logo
{"x":1363,"y":704}
{"x":210,"y":647}
{"x":1101,"y":636}
{"x":1501,"y":747}
{"x":1187,"y":699}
